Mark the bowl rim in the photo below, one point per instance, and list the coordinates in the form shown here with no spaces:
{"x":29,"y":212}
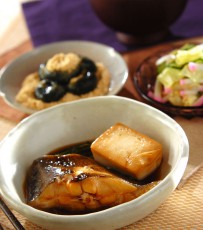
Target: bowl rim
{"x":113,"y":53}
{"x":23,"y":208}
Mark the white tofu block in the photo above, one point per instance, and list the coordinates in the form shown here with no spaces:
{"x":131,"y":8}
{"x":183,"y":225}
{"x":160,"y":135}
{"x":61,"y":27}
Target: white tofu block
{"x":127,"y":151}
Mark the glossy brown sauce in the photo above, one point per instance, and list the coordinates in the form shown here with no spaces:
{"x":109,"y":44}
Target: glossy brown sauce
{"x":83,"y":148}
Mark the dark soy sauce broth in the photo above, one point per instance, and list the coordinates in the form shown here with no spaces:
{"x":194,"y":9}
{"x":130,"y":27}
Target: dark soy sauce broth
{"x":83,"y":148}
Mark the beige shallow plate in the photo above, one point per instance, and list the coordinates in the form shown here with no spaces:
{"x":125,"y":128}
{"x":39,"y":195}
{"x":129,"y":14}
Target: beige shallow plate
{"x":12,"y":75}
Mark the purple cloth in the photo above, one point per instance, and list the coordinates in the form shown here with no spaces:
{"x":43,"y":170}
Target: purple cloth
{"x":50,"y":20}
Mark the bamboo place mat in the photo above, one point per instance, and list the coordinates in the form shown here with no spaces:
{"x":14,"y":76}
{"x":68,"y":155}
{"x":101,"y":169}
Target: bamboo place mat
{"x":184,"y":208}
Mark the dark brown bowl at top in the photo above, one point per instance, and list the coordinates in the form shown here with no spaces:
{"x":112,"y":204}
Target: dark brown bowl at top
{"x":144,"y":80}
{"x":139,"y":21}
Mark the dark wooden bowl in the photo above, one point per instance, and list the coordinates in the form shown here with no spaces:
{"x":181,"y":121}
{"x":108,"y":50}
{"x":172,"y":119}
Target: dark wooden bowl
{"x":139,"y":21}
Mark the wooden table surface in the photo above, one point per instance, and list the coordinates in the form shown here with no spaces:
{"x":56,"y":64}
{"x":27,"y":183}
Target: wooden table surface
{"x":184,"y":208}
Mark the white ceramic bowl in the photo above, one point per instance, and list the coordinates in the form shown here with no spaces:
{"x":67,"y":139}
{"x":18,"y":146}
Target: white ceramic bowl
{"x":12,"y":75}
{"x":85,"y":120}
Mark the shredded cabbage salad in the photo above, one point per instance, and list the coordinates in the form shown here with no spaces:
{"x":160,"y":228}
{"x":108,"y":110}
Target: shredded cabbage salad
{"x":180,"y":77}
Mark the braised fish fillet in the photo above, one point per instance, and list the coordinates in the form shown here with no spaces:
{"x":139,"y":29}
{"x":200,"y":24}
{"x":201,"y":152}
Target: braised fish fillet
{"x":75,"y":184}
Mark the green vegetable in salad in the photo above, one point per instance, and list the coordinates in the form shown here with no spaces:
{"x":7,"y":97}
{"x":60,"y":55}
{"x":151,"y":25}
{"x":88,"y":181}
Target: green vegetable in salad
{"x":169,"y":76}
{"x":185,"y":56}
{"x":180,"y":77}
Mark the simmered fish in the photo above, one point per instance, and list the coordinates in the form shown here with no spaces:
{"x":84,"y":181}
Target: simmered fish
{"x":75,"y":184}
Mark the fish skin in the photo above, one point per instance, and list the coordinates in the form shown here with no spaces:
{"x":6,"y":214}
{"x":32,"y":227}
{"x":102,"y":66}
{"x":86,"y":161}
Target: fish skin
{"x":75,"y":184}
